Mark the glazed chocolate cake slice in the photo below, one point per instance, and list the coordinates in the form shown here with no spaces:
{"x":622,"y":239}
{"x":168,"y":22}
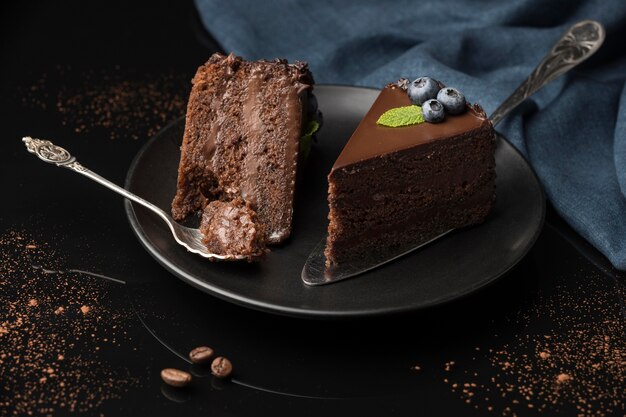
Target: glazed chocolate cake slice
{"x":393,"y":187}
{"x":242,"y":137}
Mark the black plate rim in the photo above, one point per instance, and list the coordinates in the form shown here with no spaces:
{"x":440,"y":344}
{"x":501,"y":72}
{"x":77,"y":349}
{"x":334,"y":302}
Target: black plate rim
{"x":310,"y":313}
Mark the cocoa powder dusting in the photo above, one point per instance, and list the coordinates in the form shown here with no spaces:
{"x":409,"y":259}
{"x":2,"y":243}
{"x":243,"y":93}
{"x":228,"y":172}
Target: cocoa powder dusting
{"x":49,"y":347}
{"x":578,"y":365}
{"x":110,"y":102}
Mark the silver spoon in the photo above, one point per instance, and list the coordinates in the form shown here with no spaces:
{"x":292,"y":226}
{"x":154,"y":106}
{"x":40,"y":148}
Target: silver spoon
{"x":188,"y":237}
{"x":577,"y":44}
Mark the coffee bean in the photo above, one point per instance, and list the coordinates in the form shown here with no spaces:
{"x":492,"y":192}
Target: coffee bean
{"x":201,"y":354}
{"x":221,"y":367}
{"x":175,"y":377}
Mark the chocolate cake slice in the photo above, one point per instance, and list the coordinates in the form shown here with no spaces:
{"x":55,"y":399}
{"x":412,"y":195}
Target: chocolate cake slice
{"x":242,"y":137}
{"x":396,"y":187}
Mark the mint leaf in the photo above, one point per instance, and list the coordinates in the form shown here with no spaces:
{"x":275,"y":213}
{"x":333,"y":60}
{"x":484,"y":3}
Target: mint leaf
{"x":306,"y":139}
{"x":401,"y":116}
{"x":311,"y":127}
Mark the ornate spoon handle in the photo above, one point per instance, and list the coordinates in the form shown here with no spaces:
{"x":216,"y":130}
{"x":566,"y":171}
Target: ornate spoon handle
{"x":51,"y":153}
{"x":577,"y":44}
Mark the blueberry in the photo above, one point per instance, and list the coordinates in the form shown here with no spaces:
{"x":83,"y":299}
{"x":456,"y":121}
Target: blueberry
{"x":422,"y":89}
{"x":433,"y":111}
{"x":453,"y":101}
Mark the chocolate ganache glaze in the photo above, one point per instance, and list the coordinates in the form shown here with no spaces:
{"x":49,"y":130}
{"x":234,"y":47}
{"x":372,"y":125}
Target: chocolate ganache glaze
{"x":375,"y":140}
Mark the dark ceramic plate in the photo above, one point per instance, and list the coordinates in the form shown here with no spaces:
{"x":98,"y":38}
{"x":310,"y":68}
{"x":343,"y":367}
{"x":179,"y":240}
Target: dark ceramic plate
{"x":452,"y":267}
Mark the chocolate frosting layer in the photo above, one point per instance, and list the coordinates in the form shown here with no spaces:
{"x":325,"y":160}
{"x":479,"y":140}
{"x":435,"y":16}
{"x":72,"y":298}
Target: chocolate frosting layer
{"x":370,"y":140}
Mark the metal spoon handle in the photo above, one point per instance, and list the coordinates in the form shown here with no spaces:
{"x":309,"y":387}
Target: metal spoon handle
{"x":53,"y":154}
{"x":576,"y":45}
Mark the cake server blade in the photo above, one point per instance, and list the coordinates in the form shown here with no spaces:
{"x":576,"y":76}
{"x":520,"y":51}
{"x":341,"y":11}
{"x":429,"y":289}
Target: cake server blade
{"x":315,"y":271}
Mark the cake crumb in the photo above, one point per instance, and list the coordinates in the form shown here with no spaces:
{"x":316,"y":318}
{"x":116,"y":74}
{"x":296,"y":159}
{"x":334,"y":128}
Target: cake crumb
{"x":32,"y":302}
{"x":544,"y":355}
{"x":85,"y":309}
{"x":563,"y":378}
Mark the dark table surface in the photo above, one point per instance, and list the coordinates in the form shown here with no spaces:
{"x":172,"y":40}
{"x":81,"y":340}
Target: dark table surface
{"x":88,"y":319}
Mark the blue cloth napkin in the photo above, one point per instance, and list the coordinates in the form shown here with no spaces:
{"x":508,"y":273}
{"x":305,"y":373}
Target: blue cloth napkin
{"x":573,"y":131}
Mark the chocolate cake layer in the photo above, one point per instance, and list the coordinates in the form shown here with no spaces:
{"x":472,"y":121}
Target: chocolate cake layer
{"x":393,"y":187}
{"x":420,"y":227}
{"x":367,"y":215}
{"x":242,"y":130}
